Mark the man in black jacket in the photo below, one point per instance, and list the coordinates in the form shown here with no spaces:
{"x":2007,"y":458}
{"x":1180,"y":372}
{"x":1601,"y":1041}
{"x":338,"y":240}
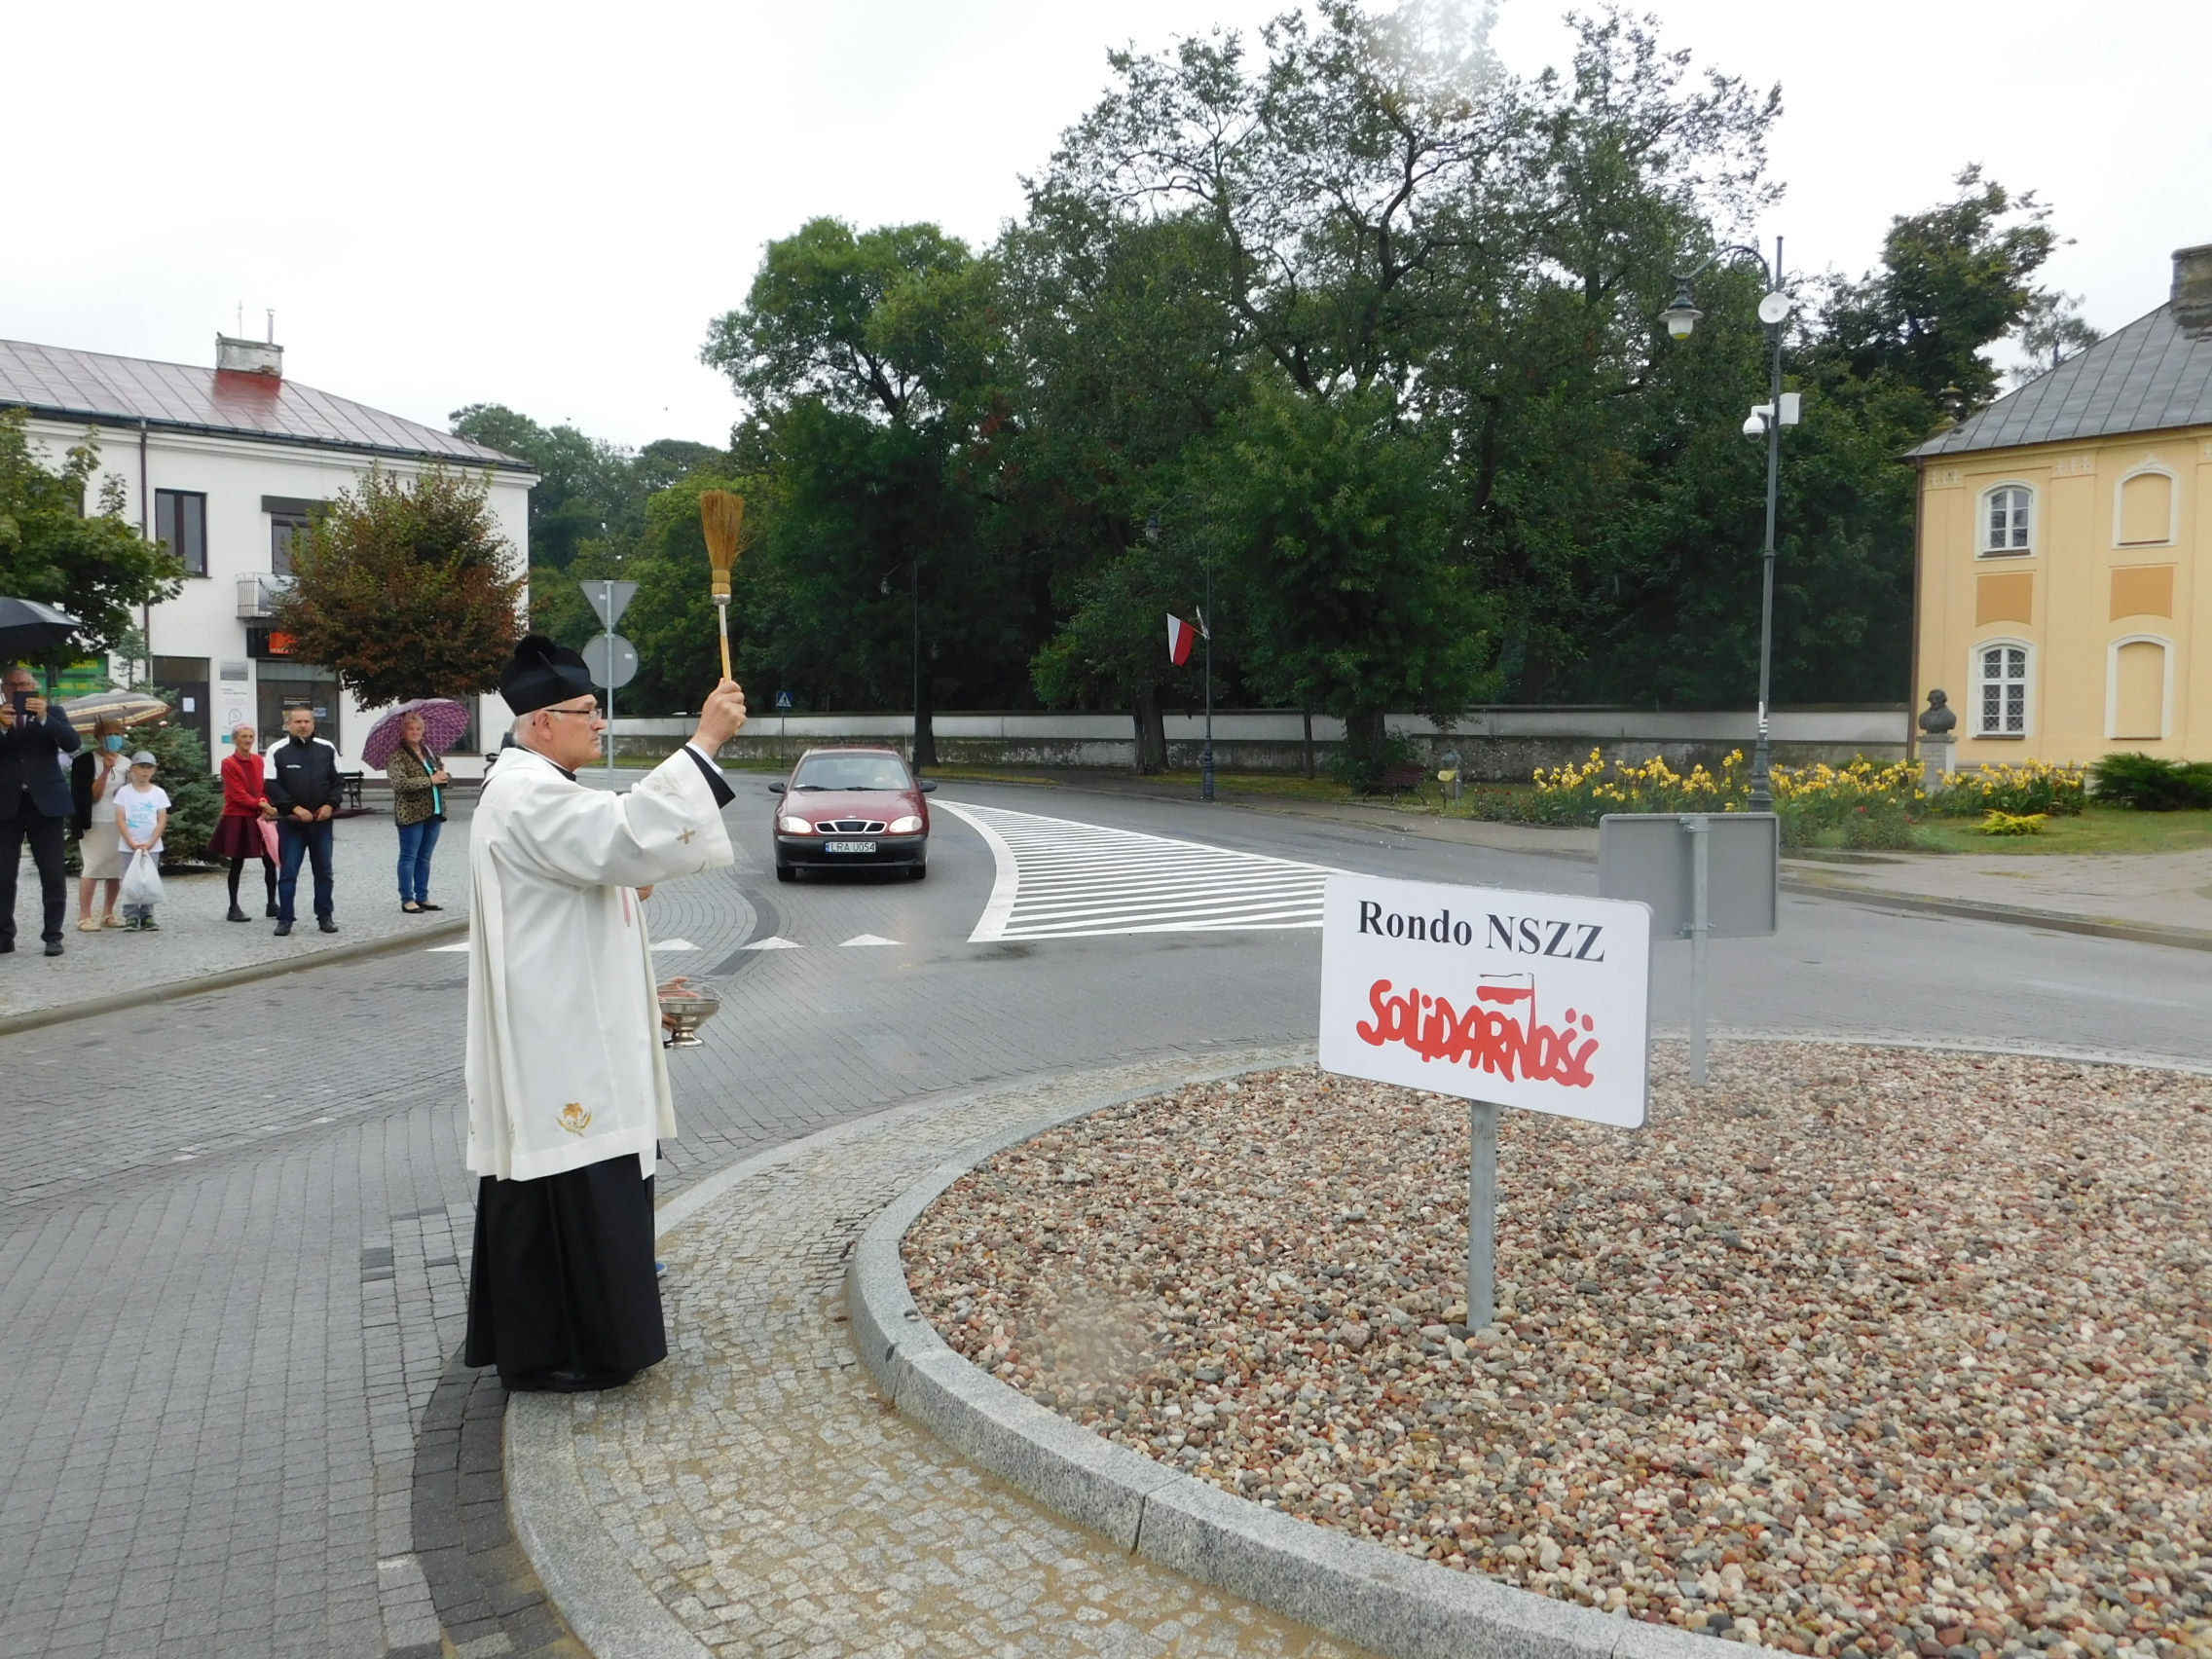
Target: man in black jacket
{"x":34,"y":800}
{"x":304,"y":787}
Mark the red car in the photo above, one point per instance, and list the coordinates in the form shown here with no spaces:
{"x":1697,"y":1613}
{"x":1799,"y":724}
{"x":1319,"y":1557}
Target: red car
{"x":851,"y":808}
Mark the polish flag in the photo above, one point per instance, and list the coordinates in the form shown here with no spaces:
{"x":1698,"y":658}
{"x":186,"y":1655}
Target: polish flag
{"x":1180,"y":633}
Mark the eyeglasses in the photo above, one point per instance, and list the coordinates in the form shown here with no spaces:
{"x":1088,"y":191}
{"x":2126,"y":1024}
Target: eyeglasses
{"x":596,"y":712}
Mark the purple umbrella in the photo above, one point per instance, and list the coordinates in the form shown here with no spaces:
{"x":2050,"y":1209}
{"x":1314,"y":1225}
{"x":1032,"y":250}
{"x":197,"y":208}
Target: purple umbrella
{"x":444,"y":721}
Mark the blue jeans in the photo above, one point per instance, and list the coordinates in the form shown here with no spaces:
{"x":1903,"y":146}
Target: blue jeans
{"x":417,"y":842}
{"x":296,"y":840}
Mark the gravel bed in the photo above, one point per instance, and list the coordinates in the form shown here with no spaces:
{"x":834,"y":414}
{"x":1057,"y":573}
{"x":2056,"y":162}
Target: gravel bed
{"x":1856,"y":1351}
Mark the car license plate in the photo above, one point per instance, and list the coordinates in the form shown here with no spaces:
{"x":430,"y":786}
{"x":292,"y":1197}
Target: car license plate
{"x":848,"y":846}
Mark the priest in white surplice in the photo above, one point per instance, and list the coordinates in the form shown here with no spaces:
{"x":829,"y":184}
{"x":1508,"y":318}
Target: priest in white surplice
{"x":567,"y":1090}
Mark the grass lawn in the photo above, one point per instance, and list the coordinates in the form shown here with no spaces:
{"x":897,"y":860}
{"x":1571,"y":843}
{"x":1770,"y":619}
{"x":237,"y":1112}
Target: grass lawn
{"x":2097,"y":829}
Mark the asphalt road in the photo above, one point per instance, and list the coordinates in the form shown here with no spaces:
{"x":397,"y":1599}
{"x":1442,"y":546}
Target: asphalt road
{"x":234,"y":1231}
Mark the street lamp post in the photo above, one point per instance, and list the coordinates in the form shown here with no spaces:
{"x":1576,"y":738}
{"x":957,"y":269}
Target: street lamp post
{"x":1205,"y":629}
{"x":1766,"y":420}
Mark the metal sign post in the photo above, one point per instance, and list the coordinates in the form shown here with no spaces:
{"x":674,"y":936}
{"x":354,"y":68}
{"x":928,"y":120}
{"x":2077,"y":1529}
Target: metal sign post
{"x":1700,"y":925}
{"x":1481,"y":1214}
{"x":1706,"y":876}
{"x":608,"y":599}
{"x":1537,"y":1001}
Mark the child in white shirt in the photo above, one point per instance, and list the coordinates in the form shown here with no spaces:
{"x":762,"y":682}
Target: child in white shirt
{"x":141,"y":817}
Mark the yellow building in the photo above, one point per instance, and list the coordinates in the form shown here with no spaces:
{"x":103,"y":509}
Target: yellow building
{"x":2064,"y":583}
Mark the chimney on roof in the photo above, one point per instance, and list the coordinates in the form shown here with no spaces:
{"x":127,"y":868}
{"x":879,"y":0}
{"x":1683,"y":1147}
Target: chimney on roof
{"x":2193,"y":288}
{"x":249,"y":356}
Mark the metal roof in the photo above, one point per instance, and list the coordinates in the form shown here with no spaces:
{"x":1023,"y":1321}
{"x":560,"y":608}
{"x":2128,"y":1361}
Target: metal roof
{"x":91,"y":386}
{"x":2152,"y":375}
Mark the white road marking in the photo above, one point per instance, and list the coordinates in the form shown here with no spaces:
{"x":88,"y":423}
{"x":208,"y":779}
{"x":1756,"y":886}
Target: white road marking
{"x":870,"y":939}
{"x":1060,"y":880}
{"x":436,"y":948}
{"x":2105,"y":995}
{"x":772,"y":944}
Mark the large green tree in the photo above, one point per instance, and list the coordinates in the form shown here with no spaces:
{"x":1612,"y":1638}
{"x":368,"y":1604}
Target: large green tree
{"x":867,"y":363}
{"x":406,"y":588}
{"x":92,"y":564}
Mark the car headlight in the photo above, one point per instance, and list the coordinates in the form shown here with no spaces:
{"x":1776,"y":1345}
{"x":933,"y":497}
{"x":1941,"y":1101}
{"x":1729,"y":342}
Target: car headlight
{"x":795,"y":826}
{"x":906,"y":825}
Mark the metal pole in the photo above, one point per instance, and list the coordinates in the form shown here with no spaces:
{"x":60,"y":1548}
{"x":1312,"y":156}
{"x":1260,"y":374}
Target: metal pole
{"x":606,"y":608}
{"x":1481,"y":1214}
{"x":1700,"y":829}
{"x":1205,"y":759}
{"x":1762,"y":794}
{"x":915,"y":572}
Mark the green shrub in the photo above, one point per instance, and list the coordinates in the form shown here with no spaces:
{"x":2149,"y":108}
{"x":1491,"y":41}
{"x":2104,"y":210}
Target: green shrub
{"x":1363,"y":773}
{"x":1878,"y":825}
{"x":2032,"y":786}
{"x":2149,"y":784}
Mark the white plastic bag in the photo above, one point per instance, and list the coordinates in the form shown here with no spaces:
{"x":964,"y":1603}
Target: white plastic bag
{"x":142,"y":880}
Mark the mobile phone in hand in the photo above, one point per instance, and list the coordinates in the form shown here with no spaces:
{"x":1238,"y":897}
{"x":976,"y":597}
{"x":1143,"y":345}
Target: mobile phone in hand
{"x":23,"y":702}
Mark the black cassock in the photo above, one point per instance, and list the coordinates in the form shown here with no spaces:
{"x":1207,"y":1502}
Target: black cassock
{"x":562,"y":1293}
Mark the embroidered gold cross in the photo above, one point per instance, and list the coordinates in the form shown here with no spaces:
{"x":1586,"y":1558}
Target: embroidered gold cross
{"x":685,"y":837}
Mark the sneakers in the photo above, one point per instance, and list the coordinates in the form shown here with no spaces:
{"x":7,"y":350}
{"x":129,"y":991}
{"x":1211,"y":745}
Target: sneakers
{"x":147,"y":924}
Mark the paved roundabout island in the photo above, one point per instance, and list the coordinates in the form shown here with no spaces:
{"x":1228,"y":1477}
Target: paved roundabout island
{"x":1890,"y":1364}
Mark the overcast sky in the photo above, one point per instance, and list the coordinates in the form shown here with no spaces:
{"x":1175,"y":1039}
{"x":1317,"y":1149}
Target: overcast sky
{"x":542,"y":205}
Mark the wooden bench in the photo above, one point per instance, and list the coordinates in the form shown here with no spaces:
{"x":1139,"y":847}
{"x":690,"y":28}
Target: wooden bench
{"x":1400,"y":781}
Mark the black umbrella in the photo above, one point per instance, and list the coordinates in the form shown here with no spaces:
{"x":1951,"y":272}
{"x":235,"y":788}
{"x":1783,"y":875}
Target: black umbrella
{"x":28,"y":628}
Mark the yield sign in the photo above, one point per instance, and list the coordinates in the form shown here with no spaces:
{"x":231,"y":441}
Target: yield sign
{"x":610,"y":599}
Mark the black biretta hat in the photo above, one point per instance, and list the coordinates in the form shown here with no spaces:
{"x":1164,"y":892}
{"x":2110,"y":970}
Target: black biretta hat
{"x":542,"y":674}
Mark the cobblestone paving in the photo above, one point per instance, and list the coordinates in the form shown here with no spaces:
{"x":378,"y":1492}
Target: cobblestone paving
{"x":196,"y":940}
{"x":774,"y":1502}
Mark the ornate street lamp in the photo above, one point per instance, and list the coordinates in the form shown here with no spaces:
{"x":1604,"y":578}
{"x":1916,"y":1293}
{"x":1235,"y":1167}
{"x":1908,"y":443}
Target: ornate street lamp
{"x":1766,"y":421}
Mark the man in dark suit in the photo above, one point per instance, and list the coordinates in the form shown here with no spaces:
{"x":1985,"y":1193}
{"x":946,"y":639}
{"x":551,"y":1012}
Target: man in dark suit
{"x":34,"y":800}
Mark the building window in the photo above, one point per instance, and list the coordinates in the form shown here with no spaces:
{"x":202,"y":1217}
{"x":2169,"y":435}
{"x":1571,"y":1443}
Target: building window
{"x":180,"y":520}
{"x":2004,"y":521}
{"x":284,"y":531}
{"x":2001,"y":678}
{"x":289,"y":518}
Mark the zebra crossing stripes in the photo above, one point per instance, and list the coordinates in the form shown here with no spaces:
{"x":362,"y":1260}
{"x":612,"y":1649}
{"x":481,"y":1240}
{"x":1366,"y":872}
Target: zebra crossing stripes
{"x":1060,"y":880}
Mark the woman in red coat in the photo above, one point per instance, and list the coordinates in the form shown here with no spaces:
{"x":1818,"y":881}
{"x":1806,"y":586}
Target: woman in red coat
{"x":237,"y":833}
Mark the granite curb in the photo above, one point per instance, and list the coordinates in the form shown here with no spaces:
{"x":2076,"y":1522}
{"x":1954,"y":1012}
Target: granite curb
{"x":1359,"y":1591}
{"x":223,"y":979}
{"x":585,"y":1576}
{"x":2015,"y":915}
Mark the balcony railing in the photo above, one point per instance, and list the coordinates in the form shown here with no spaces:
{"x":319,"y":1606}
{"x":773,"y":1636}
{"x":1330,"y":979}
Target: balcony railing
{"x":257,"y":596}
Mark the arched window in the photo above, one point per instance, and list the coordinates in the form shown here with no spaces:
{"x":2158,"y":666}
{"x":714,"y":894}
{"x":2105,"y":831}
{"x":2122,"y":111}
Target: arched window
{"x":2137,"y":689}
{"x":2007,"y":521}
{"x":2143,"y":514}
{"x":2001,"y":688}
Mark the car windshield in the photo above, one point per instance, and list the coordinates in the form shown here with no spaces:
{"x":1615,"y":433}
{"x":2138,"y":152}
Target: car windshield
{"x":851,"y":772}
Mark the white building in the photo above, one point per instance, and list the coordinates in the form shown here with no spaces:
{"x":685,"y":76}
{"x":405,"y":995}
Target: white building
{"x":227,"y":464}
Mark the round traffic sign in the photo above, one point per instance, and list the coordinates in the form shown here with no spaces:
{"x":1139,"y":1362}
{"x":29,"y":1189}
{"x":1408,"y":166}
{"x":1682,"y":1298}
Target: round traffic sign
{"x":611,"y":659}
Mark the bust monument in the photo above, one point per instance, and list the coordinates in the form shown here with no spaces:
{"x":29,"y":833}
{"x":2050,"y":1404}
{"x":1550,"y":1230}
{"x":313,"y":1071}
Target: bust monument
{"x":1937,"y":744}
